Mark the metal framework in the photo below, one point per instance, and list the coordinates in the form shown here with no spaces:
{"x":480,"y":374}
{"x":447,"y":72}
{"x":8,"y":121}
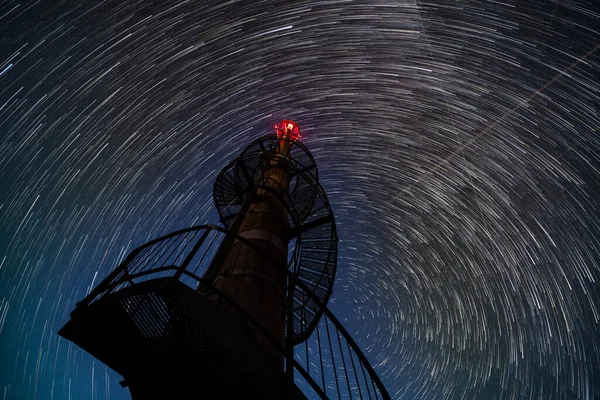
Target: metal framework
{"x":153,"y":319}
{"x":312,"y":231}
{"x":329,"y":364}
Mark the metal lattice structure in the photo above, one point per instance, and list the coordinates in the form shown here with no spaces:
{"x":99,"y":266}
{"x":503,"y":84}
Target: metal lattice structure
{"x":165,"y":321}
{"x":312,"y":225}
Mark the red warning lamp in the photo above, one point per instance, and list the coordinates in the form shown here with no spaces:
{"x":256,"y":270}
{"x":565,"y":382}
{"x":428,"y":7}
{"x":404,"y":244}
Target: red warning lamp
{"x":288,"y":128}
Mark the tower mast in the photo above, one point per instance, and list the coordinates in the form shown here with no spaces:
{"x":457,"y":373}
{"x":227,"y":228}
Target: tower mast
{"x":237,"y":310}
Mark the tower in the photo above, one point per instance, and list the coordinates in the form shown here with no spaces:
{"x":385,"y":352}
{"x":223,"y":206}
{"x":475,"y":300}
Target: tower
{"x":235,"y":310}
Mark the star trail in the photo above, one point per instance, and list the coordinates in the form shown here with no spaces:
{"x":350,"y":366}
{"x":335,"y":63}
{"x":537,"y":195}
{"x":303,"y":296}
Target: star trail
{"x":457,"y":142}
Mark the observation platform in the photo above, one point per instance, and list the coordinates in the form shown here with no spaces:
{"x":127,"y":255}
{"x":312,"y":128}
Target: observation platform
{"x":151,"y":320}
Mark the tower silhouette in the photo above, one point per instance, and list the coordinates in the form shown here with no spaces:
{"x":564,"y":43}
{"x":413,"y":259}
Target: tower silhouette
{"x":236,"y":310}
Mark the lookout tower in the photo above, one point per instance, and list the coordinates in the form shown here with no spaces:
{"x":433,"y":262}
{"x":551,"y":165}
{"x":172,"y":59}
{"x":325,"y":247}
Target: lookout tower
{"x":236,"y":310}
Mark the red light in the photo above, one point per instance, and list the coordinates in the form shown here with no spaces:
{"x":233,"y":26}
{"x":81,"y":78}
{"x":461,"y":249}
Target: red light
{"x":287,"y":128}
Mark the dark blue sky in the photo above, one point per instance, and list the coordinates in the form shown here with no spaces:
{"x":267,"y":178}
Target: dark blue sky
{"x":457,"y":142}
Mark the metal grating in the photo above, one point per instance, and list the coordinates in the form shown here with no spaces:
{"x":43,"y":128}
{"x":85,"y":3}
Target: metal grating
{"x":310,"y":218}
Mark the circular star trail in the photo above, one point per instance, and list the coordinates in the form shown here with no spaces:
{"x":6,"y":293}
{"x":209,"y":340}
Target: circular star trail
{"x":457,"y":142}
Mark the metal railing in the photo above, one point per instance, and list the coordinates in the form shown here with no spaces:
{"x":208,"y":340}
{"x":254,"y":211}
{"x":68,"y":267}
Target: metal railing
{"x":333,"y":360}
{"x":329,"y":364}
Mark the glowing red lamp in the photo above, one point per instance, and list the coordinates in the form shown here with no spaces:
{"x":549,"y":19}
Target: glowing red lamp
{"x":288,"y":129}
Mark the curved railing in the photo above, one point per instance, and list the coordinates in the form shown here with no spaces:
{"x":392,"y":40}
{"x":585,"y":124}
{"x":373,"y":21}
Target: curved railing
{"x":310,"y":218}
{"x":329,"y":364}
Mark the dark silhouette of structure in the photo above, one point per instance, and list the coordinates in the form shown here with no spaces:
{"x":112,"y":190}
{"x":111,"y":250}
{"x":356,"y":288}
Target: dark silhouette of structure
{"x":238,"y":310}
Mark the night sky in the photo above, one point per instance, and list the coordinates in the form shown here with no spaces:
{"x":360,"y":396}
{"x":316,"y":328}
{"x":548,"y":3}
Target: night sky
{"x":457,"y":142}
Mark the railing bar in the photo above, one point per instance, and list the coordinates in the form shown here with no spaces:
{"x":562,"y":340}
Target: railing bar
{"x":366,"y":382}
{"x":225,"y":179}
{"x":167,"y":245}
{"x":179,"y":232}
{"x":374,"y":389}
{"x":205,"y":252}
{"x":153,"y":271}
{"x":318,"y":283}
{"x":308,"y":297}
{"x":320,"y":239}
{"x":354,"y":369}
{"x":176,"y":246}
{"x":132,"y":264}
{"x":307,"y":361}
{"x":146,"y":257}
{"x":159,"y":257}
{"x":192,"y":253}
{"x":299,"y":315}
{"x":324,"y":263}
{"x":343,"y":362}
{"x":316,"y":249}
{"x":309,"y":282}
{"x":324,"y":206}
{"x":228,"y":217}
{"x":384,"y":394}
{"x":109,"y":282}
{"x":332,"y":359}
{"x":297,"y":231}
{"x":146,"y":254}
{"x":167,"y":268}
{"x":184,"y":247}
{"x":304,"y":306}
{"x":310,"y":380}
{"x":321,"y":360}
{"x":301,"y":170}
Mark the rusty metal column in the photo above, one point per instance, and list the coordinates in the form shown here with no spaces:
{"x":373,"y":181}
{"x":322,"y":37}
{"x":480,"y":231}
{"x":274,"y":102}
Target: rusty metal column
{"x":256,"y":281}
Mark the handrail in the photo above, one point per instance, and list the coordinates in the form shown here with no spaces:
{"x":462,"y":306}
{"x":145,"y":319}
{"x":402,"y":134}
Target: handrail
{"x":328,"y":369}
{"x":306,"y":203}
{"x":134,"y":253}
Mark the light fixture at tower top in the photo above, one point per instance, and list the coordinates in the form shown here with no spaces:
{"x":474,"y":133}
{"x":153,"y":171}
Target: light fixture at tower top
{"x":288,"y":128}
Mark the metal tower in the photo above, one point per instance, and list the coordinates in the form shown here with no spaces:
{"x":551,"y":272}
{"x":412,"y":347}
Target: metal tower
{"x":238,"y":310}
